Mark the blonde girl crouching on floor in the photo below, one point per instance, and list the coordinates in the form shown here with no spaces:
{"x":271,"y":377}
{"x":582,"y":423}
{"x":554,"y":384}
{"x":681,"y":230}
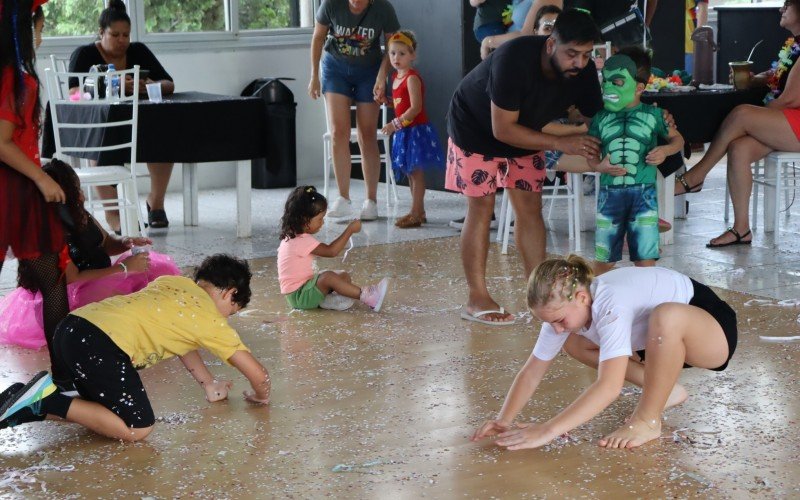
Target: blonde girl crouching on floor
{"x":641,"y":325}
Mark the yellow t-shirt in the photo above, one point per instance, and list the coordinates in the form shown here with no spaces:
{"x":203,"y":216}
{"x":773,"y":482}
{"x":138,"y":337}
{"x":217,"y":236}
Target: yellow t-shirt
{"x":170,"y":317}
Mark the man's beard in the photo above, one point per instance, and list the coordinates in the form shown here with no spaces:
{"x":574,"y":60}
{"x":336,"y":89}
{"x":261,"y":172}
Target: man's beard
{"x":560,"y":73}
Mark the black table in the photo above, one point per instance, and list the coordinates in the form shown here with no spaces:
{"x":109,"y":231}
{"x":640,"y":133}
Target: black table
{"x":187,"y":128}
{"x":699,"y":114}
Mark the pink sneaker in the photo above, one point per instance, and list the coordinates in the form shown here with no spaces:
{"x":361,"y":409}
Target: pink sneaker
{"x":373,"y":295}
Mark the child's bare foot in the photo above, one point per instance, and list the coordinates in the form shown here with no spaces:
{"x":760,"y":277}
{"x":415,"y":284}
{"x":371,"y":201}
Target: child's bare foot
{"x":634,"y":433}
{"x":676,"y":397}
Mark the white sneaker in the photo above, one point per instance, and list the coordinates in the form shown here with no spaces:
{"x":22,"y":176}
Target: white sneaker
{"x":342,"y":208}
{"x":336,"y":302}
{"x":369,"y":211}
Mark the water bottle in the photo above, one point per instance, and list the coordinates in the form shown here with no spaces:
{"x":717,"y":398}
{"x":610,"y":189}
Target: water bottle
{"x":112,"y":83}
{"x":90,"y":83}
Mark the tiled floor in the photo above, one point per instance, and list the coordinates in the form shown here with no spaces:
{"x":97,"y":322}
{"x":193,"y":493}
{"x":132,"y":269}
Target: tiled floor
{"x":760,"y":269}
{"x":392,"y":398}
{"x":382,"y":405}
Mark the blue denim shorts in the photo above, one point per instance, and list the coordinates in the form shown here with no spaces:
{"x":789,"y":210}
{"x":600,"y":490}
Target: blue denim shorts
{"x":627,"y":210}
{"x":488,"y":29}
{"x":354,"y":81}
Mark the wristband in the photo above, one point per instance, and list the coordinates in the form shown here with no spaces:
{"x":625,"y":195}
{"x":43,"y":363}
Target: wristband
{"x":397,"y":124}
{"x":124,"y":268}
{"x":405,"y":123}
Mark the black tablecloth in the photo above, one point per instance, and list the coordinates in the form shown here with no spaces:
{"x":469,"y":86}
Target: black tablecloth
{"x":699,"y":114}
{"x":187,"y":127}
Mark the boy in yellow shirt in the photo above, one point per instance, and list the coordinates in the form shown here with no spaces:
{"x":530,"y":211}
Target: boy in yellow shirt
{"x":104,"y":343}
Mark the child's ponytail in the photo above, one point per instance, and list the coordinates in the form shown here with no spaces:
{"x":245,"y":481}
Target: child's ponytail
{"x":558,"y":279}
{"x":303,"y":204}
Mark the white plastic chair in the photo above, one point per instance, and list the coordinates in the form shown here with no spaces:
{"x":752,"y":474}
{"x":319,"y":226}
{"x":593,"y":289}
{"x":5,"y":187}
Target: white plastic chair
{"x":601,"y":50}
{"x":385,"y":157}
{"x":551,"y":193}
{"x":60,"y":65}
{"x":127,"y":201}
{"x":773,"y":174}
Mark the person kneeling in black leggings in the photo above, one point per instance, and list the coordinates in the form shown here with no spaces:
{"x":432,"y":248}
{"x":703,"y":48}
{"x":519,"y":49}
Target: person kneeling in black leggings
{"x":104,"y":344}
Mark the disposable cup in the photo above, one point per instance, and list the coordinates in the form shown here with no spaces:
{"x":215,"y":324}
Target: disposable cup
{"x":154,"y":92}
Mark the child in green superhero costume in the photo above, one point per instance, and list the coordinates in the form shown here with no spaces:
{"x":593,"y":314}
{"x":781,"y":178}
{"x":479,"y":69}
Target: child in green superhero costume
{"x":629,"y":130}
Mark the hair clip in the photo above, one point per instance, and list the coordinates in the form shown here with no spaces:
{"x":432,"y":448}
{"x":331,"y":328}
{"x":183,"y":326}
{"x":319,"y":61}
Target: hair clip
{"x":574,"y":286}
{"x":310,"y":189}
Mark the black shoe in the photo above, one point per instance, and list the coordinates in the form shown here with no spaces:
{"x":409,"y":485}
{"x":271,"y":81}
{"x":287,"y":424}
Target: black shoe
{"x":459,"y":223}
{"x":8,"y":392}
{"x":156,"y":217}
{"x":23,"y":416}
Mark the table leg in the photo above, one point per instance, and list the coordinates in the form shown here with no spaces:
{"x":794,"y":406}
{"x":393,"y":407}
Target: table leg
{"x":244,"y":224}
{"x":577,"y":207}
{"x":666,"y":208}
{"x":771,"y":194}
{"x":190,"y":212}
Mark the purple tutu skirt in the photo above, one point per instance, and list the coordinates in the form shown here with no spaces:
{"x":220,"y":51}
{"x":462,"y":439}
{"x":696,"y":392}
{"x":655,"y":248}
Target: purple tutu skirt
{"x":416,"y":148}
{"x":21,"y":321}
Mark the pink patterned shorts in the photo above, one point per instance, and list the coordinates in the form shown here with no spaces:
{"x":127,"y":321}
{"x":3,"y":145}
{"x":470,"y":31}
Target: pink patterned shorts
{"x":476,"y":175}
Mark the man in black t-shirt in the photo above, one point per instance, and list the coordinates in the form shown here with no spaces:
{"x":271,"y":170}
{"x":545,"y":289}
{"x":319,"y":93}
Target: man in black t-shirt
{"x":494,"y":123}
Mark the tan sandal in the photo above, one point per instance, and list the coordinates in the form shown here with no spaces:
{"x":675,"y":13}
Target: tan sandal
{"x":408,"y":221}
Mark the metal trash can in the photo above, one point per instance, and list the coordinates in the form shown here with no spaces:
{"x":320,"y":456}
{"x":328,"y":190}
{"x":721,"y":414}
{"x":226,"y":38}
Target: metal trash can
{"x":279,"y":168}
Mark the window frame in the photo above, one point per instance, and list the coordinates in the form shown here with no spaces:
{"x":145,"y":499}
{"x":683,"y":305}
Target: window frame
{"x":231,"y":39}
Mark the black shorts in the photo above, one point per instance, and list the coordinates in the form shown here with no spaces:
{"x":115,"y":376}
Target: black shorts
{"x":102,"y":372}
{"x":707,"y":300}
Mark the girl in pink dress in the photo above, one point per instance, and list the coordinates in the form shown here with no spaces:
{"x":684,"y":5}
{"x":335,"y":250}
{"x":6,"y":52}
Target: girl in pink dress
{"x":86,"y":263}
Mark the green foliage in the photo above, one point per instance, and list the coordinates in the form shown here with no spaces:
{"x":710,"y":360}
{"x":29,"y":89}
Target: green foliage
{"x":79,"y":17}
{"x":173,"y":16}
{"x":72,"y":17}
{"x":264,"y":14}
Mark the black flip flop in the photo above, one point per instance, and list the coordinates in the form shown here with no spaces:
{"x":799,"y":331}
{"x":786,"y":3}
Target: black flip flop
{"x":737,"y":241}
{"x":687,"y":188}
{"x":156,"y":218}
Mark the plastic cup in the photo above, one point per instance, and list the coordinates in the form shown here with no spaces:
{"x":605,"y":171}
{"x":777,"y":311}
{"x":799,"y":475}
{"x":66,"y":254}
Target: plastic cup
{"x":154,"y":92}
{"x":741,"y":74}
{"x":141,"y":249}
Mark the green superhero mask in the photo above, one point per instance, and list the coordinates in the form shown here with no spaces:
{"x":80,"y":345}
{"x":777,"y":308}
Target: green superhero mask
{"x":619,"y":85}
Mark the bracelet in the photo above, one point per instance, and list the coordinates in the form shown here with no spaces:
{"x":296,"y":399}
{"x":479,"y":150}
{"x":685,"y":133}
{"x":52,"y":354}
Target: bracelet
{"x":124,"y":268}
{"x":397,"y":123}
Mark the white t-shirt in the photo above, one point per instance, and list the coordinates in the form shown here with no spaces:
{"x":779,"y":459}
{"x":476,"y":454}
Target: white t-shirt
{"x":622,"y":300}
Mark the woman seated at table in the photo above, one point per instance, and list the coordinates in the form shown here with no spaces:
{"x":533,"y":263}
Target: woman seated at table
{"x":749,"y":133}
{"x":114,"y":47}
